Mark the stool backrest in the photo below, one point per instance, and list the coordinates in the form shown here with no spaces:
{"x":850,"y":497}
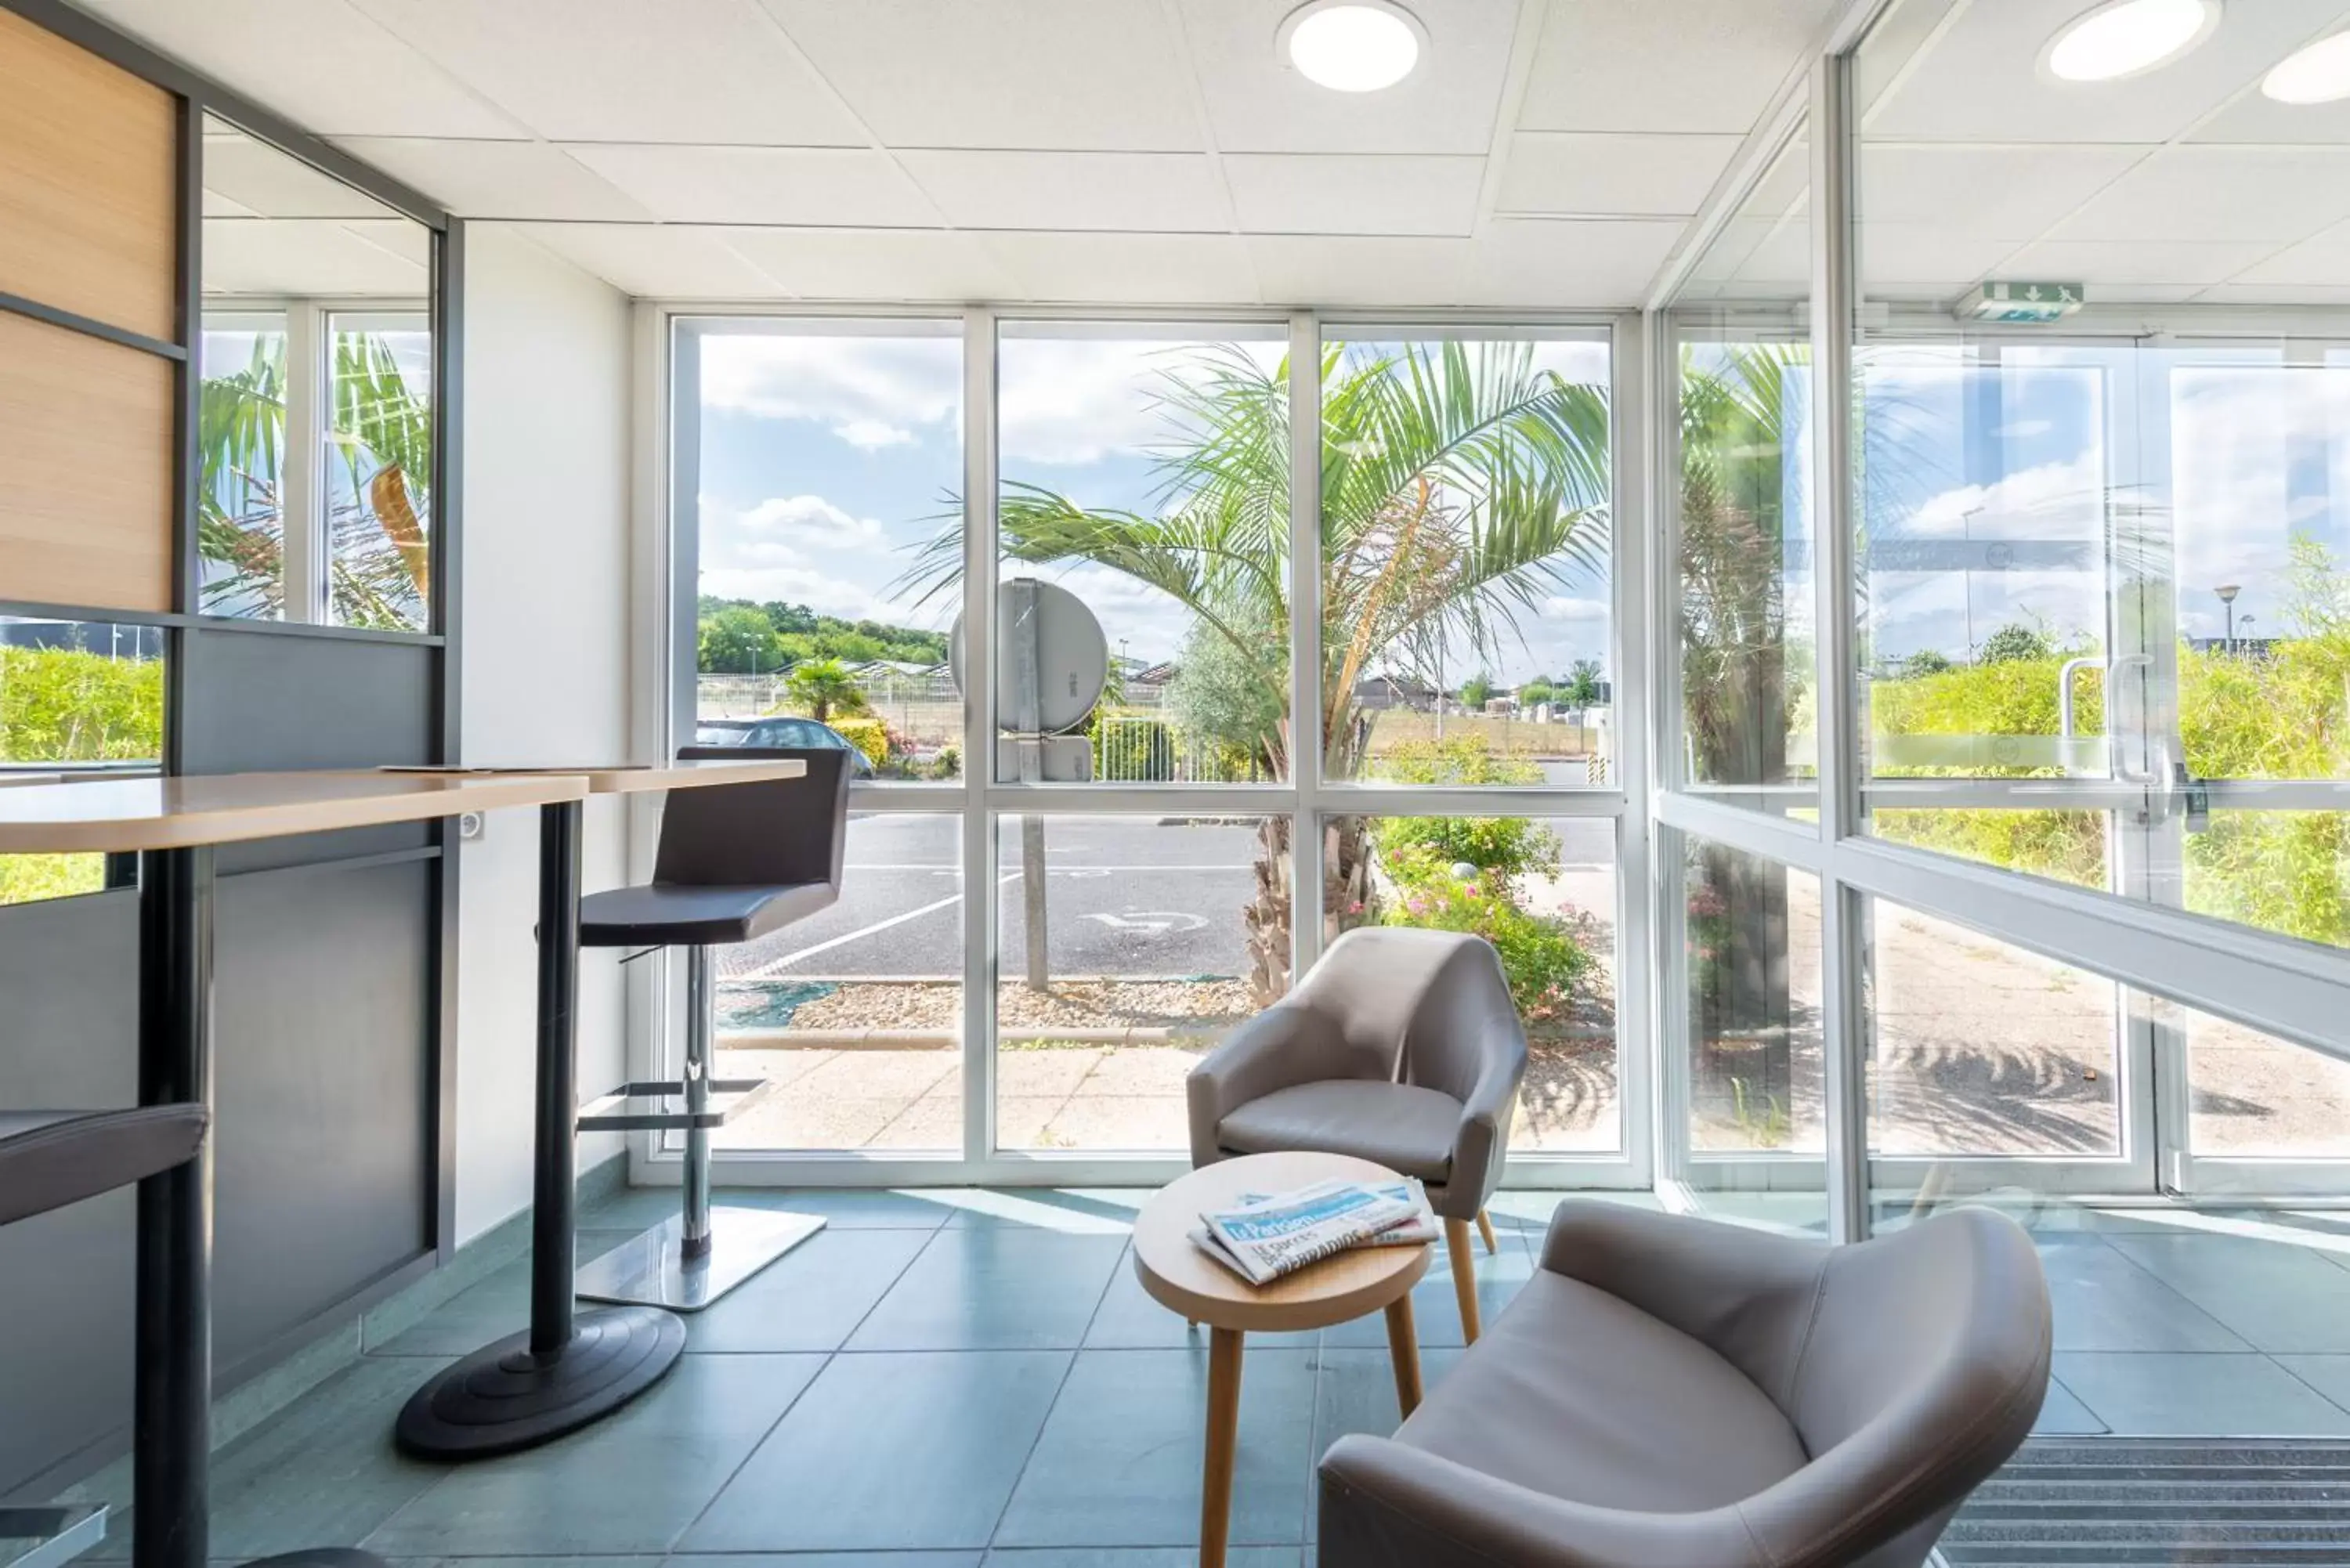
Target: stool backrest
{"x":774,"y":832}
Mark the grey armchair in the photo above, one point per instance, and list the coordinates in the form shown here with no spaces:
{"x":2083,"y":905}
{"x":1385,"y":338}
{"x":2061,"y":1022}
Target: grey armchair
{"x":1670,"y":1390}
{"x":1401,"y":1046}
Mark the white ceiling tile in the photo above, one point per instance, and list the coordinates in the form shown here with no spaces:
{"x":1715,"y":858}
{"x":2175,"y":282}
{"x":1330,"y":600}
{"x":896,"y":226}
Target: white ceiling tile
{"x":2095,"y":263}
{"x":1161,"y":192}
{"x":666,"y":261}
{"x":2280,"y":194}
{"x":848,"y":187}
{"x":876,"y":265}
{"x":263,"y":180}
{"x":1338,"y":193}
{"x":315,"y":256}
{"x":1755,"y":256}
{"x":1574,"y":172}
{"x":2010,"y":193}
{"x":1648,"y":65}
{"x":1978,"y":80}
{"x":2275,"y":294}
{"x":318,"y":62}
{"x":498,"y":179}
{"x":1561,"y":263}
{"x":1257,"y":103}
{"x":1100,"y":268}
{"x":1313,"y":269}
{"x":2320,"y":261}
{"x":623,"y":71}
{"x":1903,"y":254}
{"x":2254,"y":117}
{"x":1072,"y":74}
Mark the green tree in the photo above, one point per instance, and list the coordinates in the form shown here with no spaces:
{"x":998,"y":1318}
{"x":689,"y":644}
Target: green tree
{"x":738,"y":641}
{"x":1460,"y":483}
{"x":1476,"y":691}
{"x":824,"y":688}
{"x":2015,"y":643}
{"x":1582,"y":686}
{"x":1536,"y":692}
{"x":1925,"y":661}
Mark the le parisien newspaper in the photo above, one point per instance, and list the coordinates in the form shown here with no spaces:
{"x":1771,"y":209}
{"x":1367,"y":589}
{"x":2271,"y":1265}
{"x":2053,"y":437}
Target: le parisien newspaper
{"x":1268,"y":1236}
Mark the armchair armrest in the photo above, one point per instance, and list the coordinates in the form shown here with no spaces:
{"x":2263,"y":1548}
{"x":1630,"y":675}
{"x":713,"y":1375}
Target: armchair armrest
{"x":1286,"y":1044}
{"x":1481,"y":1146}
{"x":1751,"y":1294}
{"x":1387,"y":1505}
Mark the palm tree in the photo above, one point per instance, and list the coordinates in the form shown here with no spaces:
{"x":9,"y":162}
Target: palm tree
{"x":824,"y":687}
{"x":1460,"y":484}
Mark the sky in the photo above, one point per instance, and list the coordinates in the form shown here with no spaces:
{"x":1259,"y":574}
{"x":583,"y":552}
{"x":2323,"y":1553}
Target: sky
{"x":2004,"y":494}
{"x":828,"y":459}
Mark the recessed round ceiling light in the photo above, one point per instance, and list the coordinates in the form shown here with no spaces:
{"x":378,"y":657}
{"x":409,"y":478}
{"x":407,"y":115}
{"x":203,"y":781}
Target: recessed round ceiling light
{"x":2318,"y":74}
{"x":1352,"y":46}
{"x":2123,"y":37}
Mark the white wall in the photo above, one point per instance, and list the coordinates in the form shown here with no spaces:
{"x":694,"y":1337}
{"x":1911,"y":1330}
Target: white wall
{"x":544,"y":671}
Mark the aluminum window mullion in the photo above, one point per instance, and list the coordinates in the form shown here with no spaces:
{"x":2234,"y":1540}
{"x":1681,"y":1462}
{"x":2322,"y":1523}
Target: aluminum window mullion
{"x":1631,"y":562}
{"x":1306,"y":754}
{"x":979,"y":901}
{"x":306,"y":551}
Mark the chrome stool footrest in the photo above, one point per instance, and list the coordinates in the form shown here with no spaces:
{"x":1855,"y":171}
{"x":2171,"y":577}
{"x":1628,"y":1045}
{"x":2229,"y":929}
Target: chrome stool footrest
{"x":663,"y":1105}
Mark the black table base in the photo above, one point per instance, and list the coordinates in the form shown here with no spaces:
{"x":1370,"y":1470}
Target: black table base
{"x":568,"y":1369}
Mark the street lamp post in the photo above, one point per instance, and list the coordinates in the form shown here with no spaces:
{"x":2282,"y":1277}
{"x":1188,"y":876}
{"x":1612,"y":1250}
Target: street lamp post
{"x":2227,"y":592}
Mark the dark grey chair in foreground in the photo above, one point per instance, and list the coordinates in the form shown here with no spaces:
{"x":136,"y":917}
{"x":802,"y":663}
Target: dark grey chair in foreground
{"x":1675,"y":1391}
{"x":1401,"y":1046}
{"x":735,"y":863}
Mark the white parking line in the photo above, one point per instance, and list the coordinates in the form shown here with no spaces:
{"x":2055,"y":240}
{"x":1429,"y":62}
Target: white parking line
{"x":765,"y":970}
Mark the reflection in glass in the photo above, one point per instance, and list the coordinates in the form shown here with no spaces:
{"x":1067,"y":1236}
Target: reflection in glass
{"x":828,"y":456}
{"x":1465,"y":612}
{"x":1127,"y":947}
{"x":1751,"y":952}
{"x":857,"y":1013}
{"x":379,"y":471}
{"x":1543,"y":891}
{"x":241,"y":516}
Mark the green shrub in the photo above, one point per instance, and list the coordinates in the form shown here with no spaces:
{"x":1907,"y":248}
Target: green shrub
{"x":1509,"y":845}
{"x":27,"y":877}
{"x":1541,"y":958}
{"x":66,"y":705}
{"x":868,"y":735}
{"x":1131,"y":748}
{"x":1466,"y":759}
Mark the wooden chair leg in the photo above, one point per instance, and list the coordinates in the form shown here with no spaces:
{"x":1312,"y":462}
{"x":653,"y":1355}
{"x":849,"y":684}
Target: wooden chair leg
{"x":1485,"y":1228}
{"x":1223,"y":1444}
{"x":1464,"y":1275}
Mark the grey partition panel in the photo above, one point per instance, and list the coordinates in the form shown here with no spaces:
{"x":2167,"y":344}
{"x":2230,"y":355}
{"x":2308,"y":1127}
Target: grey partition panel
{"x":68,"y":1037}
{"x":258,"y":702}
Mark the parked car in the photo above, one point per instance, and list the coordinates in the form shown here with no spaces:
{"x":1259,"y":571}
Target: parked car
{"x":804,"y":734}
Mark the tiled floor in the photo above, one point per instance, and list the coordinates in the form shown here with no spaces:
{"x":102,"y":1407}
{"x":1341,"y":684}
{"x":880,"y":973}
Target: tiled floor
{"x":942,"y":1379}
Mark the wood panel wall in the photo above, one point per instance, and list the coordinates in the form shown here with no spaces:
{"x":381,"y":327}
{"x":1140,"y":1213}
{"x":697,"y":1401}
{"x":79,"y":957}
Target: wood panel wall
{"x":89,"y":228}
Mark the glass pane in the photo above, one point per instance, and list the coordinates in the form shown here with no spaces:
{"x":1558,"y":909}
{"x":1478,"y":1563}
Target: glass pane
{"x":2282,"y":871}
{"x":1465,"y":595}
{"x":1543,"y":891}
{"x":1143,"y":534}
{"x":1976,"y":1047}
{"x":1127,"y":946}
{"x":73,"y":696}
{"x":2253,"y":1096}
{"x":856,"y":1012}
{"x":241,"y":530}
{"x":2071,"y":847}
{"x":828,"y":471}
{"x":378,"y":470}
{"x":1750,"y":972}
{"x":1745,"y":639}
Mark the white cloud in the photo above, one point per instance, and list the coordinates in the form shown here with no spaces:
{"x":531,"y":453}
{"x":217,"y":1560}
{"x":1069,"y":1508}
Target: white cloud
{"x":1064,"y":402}
{"x":808,"y":522}
{"x":2048,"y":500}
{"x":1565,"y":606}
{"x":858,"y":387}
{"x":870,"y":435}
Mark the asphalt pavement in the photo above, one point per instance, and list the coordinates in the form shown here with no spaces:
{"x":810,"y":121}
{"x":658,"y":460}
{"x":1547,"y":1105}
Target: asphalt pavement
{"x":1124,"y":897}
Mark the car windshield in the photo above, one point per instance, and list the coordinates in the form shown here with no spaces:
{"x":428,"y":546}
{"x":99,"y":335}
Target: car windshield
{"x":719,"y":735}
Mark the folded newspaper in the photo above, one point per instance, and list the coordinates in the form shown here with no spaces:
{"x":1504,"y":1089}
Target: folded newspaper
{"x":1269,"y":1235}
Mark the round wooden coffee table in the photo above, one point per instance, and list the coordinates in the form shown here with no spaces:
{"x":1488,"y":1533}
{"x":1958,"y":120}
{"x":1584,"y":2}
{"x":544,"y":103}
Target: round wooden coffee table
{"x":1181,"y":1277}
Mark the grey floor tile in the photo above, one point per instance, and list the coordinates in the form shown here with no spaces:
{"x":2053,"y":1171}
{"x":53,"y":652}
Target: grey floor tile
{"x":630,"y":1484}
{"x":2155,"y":1394}
{"x":1436,"y":1308}
{"x":2279,"y":1297}
{"x":2103,"y":1301}
{"x":1128,"y":1319}
{"x":649,"y":1559}
{"x":2329,"y":1374}
{"x":1355,"y":1391}
{"x":828,"y":1560}
{"x":2061,"y":1415}
{"x":811,"y":1298}
{"x":498,"y":1306}
{"x":1091,"y":1211}
{"x":994,"y":1288}
{"x":1140,"y":1557}
{"x":889,"y":1452}
{"x":1119,"y":1463}
{"x":848,"y":1207}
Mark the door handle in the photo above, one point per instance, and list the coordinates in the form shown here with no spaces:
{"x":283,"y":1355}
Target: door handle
{"x":2151,"y":777}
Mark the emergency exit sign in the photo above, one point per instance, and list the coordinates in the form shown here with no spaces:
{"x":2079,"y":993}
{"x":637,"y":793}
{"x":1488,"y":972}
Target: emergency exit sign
{"x":2021,"y":302}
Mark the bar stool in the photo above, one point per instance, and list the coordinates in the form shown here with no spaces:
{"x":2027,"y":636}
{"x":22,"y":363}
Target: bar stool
{"x":733,"y":864}
{"x":51,"y":1158}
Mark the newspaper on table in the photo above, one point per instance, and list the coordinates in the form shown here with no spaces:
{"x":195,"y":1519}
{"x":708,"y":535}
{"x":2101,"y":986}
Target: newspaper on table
{"x":1269,"y":1235}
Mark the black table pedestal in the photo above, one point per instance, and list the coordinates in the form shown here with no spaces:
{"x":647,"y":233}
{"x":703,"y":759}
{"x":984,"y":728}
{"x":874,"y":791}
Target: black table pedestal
{"x":568,"y":1369}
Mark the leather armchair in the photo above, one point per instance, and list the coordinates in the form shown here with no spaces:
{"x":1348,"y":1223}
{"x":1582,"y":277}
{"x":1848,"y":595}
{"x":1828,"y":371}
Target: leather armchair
{"x":1401,"y":1046}
{"x":1674,"y":1390}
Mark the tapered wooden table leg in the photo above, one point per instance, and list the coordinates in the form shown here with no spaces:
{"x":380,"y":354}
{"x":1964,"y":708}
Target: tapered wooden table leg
{"x":1403,"y":1347}
{"x":1223,"y":1444}
{"x":1485,"y":1228}
{"x":1464,"y":1275}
